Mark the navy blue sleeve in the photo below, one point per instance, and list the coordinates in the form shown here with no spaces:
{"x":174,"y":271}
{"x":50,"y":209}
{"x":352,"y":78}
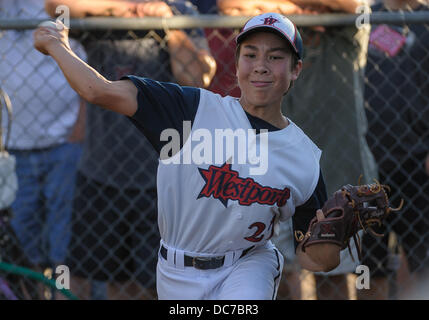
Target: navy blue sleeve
{"x":163,"y":105}
{"x":304,"y":213}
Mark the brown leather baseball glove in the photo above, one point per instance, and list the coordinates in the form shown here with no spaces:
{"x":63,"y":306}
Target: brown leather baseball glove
{"x":350,"y":209}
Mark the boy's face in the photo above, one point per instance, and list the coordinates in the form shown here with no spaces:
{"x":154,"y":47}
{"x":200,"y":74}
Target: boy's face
{"x":264,"y":69}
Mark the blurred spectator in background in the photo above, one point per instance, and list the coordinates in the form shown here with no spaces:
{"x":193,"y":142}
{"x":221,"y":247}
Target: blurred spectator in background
{"x":115,"y":234}
{"x":397,"y":98}
{"x":329,"y":105}
{"x":222,"y":43}
{"x":44,"y":139}
{"x":206,"y":6}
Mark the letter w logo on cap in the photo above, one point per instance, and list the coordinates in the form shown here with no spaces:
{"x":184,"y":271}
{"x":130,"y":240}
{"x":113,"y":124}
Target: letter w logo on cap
{"x":270,"y":21}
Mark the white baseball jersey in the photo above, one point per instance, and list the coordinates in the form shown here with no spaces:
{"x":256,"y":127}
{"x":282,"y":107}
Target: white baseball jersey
{"x":210,"y":203}
{"x":223,"y":184}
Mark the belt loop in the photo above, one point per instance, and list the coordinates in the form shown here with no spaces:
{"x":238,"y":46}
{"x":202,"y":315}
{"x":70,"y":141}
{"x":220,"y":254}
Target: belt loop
{"x":171,"y":253}
{"x":237,"y":255}
{"x":180,"y":259}
{"x":229,"y":259}
{"x":161,"y":244}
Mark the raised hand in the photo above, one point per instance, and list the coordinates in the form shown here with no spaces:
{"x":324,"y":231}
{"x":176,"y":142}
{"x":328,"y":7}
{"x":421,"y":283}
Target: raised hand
{"x":48,"y":35}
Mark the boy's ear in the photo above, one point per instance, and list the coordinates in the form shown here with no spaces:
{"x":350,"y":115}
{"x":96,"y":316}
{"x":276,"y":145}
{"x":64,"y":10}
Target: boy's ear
{"x":297,"y":70}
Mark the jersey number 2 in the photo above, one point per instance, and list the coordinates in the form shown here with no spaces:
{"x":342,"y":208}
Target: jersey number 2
{"x":260,"y":227}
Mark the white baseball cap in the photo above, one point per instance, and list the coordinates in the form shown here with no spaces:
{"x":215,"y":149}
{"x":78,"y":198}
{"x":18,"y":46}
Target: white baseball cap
{"x":277,"y":23}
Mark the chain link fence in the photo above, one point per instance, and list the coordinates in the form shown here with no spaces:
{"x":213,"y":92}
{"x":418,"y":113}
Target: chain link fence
{"x":87,"y":192}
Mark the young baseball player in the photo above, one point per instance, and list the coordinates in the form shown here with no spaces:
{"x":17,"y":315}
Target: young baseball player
{"x":217,"y":213}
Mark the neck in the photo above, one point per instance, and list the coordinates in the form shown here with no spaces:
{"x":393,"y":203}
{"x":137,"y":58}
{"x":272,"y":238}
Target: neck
{"x":402,"y":4}
{"x":272,"y":115}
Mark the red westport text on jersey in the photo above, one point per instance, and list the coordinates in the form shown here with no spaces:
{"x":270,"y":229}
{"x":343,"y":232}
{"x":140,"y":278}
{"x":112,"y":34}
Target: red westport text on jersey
{"x":224,"y":184}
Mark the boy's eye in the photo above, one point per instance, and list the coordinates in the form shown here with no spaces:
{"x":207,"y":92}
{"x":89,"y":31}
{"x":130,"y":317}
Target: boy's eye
{"x":249,"y":55}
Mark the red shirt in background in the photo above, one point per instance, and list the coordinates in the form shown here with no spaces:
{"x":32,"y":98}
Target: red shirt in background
{"x":222,"y":46}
